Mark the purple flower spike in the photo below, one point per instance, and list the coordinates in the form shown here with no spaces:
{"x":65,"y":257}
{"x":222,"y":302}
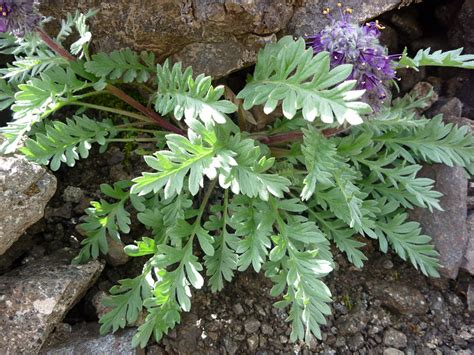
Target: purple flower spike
{"x":350,"y":43}
{"x":19,"y":16}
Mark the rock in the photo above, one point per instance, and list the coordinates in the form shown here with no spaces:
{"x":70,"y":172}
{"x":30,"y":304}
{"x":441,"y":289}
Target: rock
{"x":352,"y":323}
{"x":98,"y":303}
{"x":252,"y":342}
{"x":231,"y":346}
{"x":406,"y":21}
{"x":356,"y":341}
{"x":267,"y":329}
{"x":35,"y":298}
{"x":400,"y":298}
{"x":451,"y":107}
{"x":470,"y":297}
{"x":116,"y":255}
{"x":468,"y":263}
{"x":252,"y":326}
{"x":25,"y":189}
{"x":394,"y":338}
{"x":238,"y":309}
{"x":409,"y":77}
{"x":86,"y":339}
{"x":448,"y":227}
{"x":421,"y":90}
{"x":389,"y":37}
{"x":392,"y":351}
{"x":73,"y":194}
{"x":215,"y":37}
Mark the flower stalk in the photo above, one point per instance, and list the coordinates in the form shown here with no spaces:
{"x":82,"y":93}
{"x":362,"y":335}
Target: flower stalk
{"x":111,"y":88}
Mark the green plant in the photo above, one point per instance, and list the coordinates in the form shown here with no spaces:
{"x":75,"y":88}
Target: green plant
{"x":218,"y":199}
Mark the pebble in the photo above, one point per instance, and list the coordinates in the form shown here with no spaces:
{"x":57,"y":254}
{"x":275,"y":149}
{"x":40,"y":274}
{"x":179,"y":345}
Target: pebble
{"x":238,"y":309}
{"x":252,"y":325}
{"x":252,"y":342}
{"x":73,"y":194}
{"x":267,"y":329}
{"x":392,"y":351}
{"x":394,"y":338}
{"x":356,"y":341}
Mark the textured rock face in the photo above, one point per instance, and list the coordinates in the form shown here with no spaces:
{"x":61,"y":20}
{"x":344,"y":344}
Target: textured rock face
{"x":25,"y":188}
{"x":214,"y":36}
{"x":448,"y":227}
{"x":35,"y":298}
{"x":400,"y":298}
{"x":86,"y":340}
{"x":469,"y":255}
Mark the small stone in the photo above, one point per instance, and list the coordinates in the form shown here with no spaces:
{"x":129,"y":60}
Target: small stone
{"x":392,"y":351}
{"x":421,"y":90}
{"x":356,"y":342}
{"x":252,"y":325}
{"x":238,"y":309}
{"x":394,"y":338}
{"x":401,"y":298}
{"x":231,"y":346}
{"x":97,"y":302}
{"x":352,"y":323}
{"x":73,"y":194}
{"x":267,"y":329}
{"x":453,"y":107}
{"x":116,"y":255}
{"x":387,"y":264}
{"x":252,"y":342}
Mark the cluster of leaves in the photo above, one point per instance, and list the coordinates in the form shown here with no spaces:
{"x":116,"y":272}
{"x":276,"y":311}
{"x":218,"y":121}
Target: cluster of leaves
{"x":215,"y":201}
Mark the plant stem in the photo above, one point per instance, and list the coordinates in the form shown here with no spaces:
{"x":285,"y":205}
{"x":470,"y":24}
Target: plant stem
{"x":297,"y":135}
{"x":125,"y":140}
{"x":54,"y":45}
{"x":150,"y":113}
{"x":113,"y":110}
{"x":110,"y":88}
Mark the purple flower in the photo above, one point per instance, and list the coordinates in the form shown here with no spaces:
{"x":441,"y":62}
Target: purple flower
{"x":350,"y":43}
{"x":18,"y":16}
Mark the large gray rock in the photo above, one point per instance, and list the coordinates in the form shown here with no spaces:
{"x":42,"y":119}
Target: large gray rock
{"x":85,"y":339}
{"x":468,"y":263}
{"x":215,"y":37}
{"x":25,"y":188}
{"x":33,"y":299}
{"x":448,"y":227}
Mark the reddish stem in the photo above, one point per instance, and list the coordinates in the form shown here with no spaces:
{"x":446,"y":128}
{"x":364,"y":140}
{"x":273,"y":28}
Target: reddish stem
{"x":54,"y":45}
{"x":150,"y":113}
{"x":297,"y":135}
{"x":111,"y":88}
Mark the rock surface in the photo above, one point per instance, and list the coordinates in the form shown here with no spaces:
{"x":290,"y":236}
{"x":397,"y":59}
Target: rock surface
{"x":401,"y":298}
{"x":448,"y":227}
{"x":215,"y":37}
{"x":85,"y":339}
{"x":25,"y":188}
{"x":33,"y":299}
{"x":468,"y":263}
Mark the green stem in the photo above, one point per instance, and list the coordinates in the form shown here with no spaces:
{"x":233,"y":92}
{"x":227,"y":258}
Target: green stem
{"x":113,"y":110}
{"x":125,"y":140}
{"x":126,"y":128}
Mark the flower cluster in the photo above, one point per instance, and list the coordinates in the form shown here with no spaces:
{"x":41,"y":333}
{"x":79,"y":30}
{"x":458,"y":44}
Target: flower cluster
{"x":350,"y":43}
{"x":18,"y":16}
